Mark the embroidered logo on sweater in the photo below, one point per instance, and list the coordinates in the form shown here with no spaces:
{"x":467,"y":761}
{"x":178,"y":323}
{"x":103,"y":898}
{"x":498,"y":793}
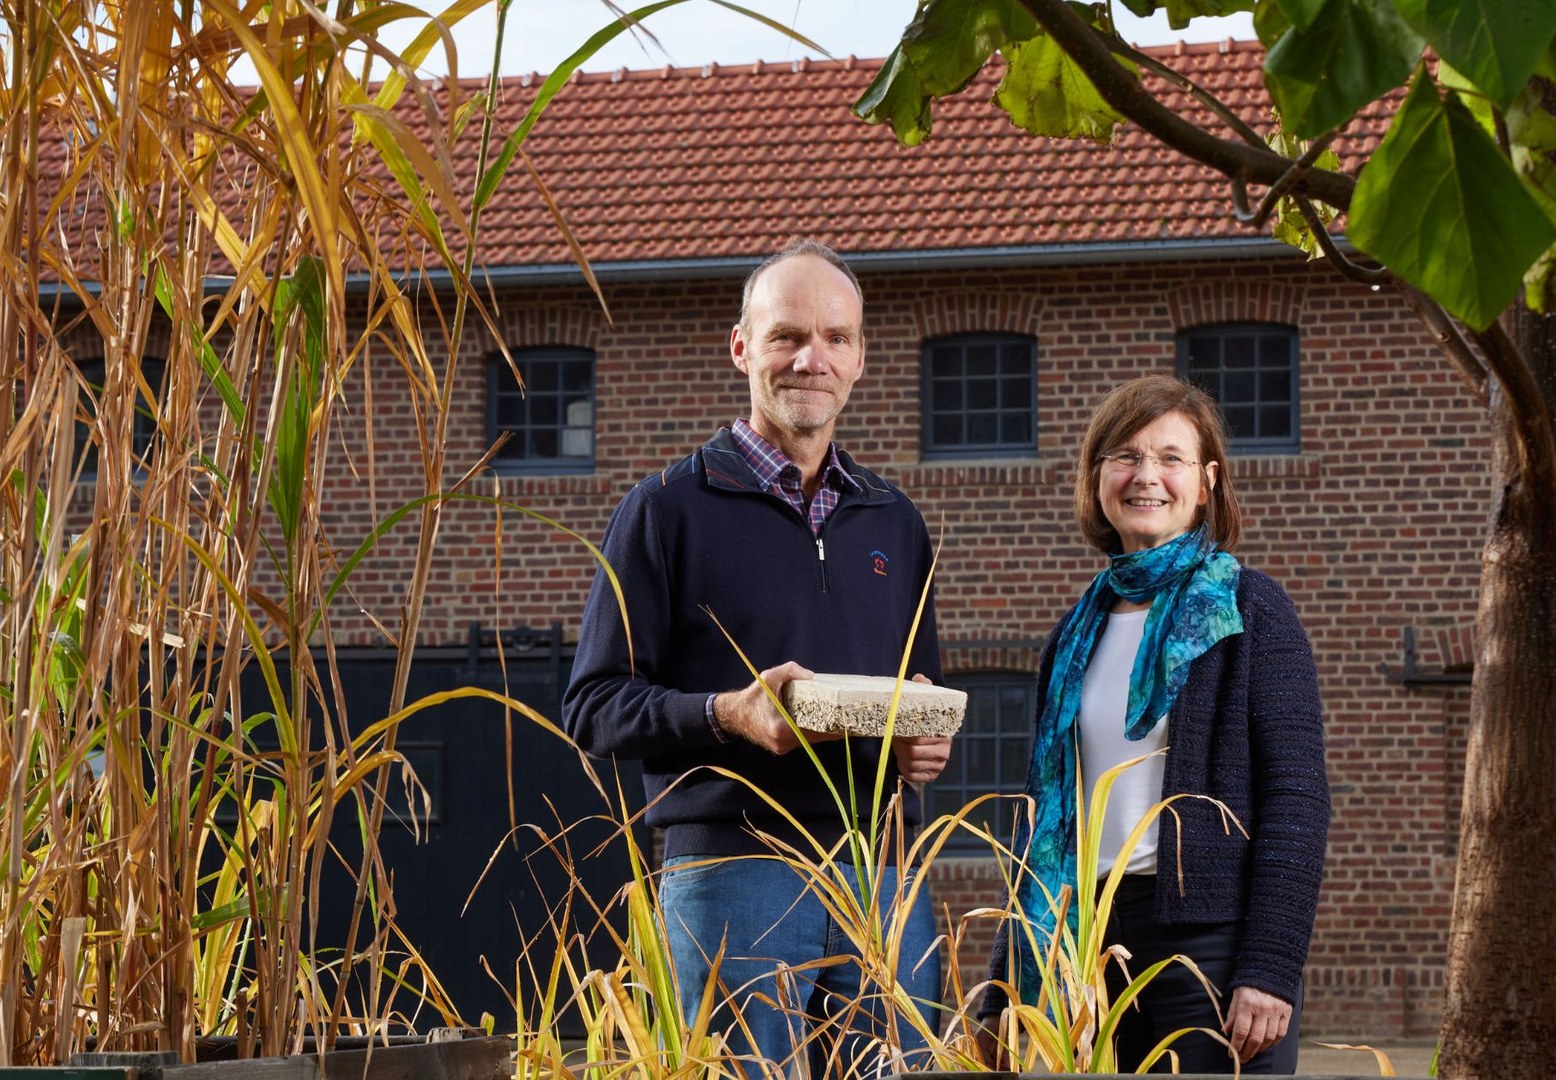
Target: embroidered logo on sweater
{"x":878,"y":561}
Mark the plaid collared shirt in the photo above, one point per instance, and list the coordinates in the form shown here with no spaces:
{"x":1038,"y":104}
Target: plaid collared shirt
{"x":780,"y":476}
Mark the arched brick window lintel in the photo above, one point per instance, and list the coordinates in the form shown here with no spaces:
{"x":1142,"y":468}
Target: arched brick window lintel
{"x":1233,"y":301}
{"x":978,"y":311}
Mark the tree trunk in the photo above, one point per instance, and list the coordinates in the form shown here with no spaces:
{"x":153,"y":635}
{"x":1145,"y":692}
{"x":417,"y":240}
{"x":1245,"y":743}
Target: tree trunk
{"x":1499,"y":1021}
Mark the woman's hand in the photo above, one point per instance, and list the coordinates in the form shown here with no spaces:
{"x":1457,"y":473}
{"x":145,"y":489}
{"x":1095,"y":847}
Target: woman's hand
{"x":1254,"y":1021}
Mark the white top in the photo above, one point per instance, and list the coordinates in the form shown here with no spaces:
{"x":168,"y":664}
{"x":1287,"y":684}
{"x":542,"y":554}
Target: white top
{"x":1104,"y":704}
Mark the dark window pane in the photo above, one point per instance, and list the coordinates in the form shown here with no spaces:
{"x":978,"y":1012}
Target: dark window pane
{"x":980,"y":360}
{"x":1237,"y":387}
{"x":577,"y":377}
{"x":1274,"y":422}
{"x":1016,"y":360}
{"x":946,"y":396}
{"x":1274,"y":386}
{"x":540,"y":376}
{"x":1275,"y":351}
{"x":544,"y":411}
{"x":1240,"y":421}
{"x":947,"y":430}
{"x":982,"y":429}
{"x":1016,"y":393}
{"x":1015,"y":428}
{"x":509,"y":413}
{"x":982,"y":394}
{"x":542,"y":443}
{"x":1204,"y":354}
{"x":1237,"y":351}
{"x":982,"y":764}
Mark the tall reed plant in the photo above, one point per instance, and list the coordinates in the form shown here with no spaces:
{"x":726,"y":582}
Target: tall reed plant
{"x":241,"y":192}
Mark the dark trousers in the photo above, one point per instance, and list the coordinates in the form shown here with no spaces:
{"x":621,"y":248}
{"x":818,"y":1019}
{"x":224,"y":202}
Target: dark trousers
{"x":1175,"y":998}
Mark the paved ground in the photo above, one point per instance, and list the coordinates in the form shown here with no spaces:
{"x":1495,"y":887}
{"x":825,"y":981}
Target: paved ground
{"x":1411,"y":1057}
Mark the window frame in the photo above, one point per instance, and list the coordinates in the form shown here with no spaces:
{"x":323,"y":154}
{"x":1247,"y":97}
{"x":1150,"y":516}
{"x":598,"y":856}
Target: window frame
{"x":931,"y":449}
{"x":1260,"y":331}
{"x":500,"y":387}
{"x":1016,"y":727}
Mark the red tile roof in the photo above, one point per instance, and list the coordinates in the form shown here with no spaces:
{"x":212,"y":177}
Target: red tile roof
{"x":726,"y":163}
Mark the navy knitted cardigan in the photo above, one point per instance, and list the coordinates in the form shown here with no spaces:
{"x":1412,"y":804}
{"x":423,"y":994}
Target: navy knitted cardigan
{"x":700,"y":538}
{"x":1247,"y":728}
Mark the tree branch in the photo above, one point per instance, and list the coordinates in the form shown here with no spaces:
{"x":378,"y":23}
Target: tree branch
{"x":1294,"y":175}
{"x":1122,"y":90}
{"x":1120,"y":47}
{"x":1526,"y":404}
{"x":1362,"y":275}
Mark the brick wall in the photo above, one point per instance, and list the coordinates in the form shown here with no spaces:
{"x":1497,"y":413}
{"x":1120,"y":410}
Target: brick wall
{"x":1374,"y":526}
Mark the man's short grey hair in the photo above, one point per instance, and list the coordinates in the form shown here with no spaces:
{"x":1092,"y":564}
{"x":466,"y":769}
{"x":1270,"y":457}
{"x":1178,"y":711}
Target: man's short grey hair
{"x":800,"y":245}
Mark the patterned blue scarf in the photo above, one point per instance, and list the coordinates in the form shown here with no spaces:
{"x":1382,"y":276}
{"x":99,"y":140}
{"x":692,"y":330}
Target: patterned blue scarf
{"x":1192,"y":587}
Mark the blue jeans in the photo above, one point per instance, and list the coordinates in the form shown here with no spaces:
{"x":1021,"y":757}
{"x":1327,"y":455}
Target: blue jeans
{"x":768,"y":924}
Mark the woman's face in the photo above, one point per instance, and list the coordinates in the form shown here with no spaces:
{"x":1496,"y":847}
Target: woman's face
{"x":1157,"y":499}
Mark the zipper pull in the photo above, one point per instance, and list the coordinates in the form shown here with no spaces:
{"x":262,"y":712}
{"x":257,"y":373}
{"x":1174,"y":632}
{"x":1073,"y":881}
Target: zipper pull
{"x":821,"y":549}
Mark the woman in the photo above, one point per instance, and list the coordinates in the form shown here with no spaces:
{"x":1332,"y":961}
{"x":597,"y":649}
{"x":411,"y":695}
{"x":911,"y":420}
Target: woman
{"x":1176,"y":645}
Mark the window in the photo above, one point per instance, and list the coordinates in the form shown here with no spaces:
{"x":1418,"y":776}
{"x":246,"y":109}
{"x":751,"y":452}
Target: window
{"x":1251,"y":371}
{"x":551,"y":418}
{"x":980,"y":396}
{"x":992,"y":752}
{"x":145,"y":425}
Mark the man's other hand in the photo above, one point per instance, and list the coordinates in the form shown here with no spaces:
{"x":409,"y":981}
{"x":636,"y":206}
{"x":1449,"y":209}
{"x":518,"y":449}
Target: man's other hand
{"x":749,"y":714}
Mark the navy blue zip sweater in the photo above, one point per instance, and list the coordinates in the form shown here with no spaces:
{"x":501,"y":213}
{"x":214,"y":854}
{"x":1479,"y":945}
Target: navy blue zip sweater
{"x":1247,"y":729}
{"x":700,"y":538}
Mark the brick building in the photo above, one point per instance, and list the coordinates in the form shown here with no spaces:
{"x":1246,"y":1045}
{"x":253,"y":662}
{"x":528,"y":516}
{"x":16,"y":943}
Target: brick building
{"x":1009,"y":282}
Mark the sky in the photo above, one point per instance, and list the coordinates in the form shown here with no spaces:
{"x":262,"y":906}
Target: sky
{"x":542,"y":33}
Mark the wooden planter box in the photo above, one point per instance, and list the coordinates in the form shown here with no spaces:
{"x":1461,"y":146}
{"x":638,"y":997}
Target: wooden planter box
{"x":483,"y":1058}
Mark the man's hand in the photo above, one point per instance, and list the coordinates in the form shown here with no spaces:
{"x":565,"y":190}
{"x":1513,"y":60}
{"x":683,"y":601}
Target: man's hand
{"x":1254,"y":1021}
{"x":919,"y":758}
{"x":749,"y":714}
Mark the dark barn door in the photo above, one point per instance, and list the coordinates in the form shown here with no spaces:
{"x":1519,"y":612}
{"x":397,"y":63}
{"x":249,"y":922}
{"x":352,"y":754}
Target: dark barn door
{"x":464,"y":751}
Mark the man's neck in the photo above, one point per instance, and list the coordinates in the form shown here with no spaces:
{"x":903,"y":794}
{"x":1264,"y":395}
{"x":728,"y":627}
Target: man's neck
{"x":807,"y":449}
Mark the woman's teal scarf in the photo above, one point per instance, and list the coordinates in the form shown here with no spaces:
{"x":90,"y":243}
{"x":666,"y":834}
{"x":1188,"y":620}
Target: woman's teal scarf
{"x":1192,"y":587}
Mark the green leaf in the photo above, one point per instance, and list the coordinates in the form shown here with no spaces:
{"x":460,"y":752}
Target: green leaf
{"x":302,"y":292}
{"x":1046,"y":93}
{"x":896,"y":97}
{"x":1270,"y":22}
{"x":1441,"y":207}
{"x":1352,"y":54}
{"x":1497,"y":44}
{"x":1179,"y":12}
{"x":1289,"y":225}
{"x":1299,"y":13}
{"x":1469,"y":95}
{"x":949,"y":41}
{"x":210,"y":363}
{"x":1531,"y":131}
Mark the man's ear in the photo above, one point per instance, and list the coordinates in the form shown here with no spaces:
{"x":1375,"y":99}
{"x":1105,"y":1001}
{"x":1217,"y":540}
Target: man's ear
{"x":737,"y":348}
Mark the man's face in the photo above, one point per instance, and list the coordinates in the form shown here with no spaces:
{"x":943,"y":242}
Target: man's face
{"x":802,"y":347}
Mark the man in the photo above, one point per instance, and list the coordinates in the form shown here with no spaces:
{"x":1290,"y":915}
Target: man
{"x":811,"y":563}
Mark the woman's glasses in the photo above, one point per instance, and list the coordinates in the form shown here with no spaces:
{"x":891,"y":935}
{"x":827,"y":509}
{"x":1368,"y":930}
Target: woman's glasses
{"x":1131,"y":460}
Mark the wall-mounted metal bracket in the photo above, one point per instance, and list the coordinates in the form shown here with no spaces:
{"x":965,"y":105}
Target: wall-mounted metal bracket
{"x":1410,"y":674}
